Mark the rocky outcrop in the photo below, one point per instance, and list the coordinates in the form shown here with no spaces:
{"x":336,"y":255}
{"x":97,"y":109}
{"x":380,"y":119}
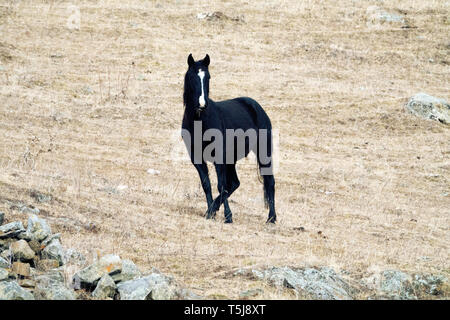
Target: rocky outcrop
{"x":29,"y":261}
{"x":315,"y":283}
{"x":33,"y":262}
{"x":325,"y":283}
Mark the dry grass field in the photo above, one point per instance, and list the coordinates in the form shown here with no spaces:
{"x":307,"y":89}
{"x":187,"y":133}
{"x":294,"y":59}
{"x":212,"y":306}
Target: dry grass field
{"x":86,"y":109}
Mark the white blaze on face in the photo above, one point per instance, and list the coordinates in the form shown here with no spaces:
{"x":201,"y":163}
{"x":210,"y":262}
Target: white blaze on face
{"x":201,"y":99}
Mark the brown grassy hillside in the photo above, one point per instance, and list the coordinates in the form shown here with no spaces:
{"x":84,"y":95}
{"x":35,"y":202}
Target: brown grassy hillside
{"x":86,"y":111}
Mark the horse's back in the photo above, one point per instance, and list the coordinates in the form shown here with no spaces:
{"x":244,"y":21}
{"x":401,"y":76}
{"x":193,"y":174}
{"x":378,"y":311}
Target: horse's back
{"x":243,"y":112}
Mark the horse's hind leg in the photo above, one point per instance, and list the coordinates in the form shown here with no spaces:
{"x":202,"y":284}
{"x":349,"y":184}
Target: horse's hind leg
{"x":269,"y":197}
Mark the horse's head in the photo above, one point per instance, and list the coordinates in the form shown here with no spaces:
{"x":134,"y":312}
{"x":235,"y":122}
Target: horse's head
{"x":196,"y":83}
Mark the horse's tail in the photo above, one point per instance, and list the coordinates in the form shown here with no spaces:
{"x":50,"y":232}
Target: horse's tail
{"x":264,"y":154}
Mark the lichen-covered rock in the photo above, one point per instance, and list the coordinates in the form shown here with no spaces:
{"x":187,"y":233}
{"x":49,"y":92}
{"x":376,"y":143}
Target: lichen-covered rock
{"x":72,"y":256}
{"x":11,"y":230}
{"x":396,"y":284}
{"x":10,"y":290}
{"x":37,"y":228}
{"x":106,"y":288}
{"x":88,"y":277}
{"x":50,"y":238}
{"x":428,"y":284}
{"x":322,"y":283}
{"x":21,"y":269}
{"x":47,"y":264}
{"x":51,"y":286}
{"x":152,"y":287}
{"x":4,"y":263}
{"x":53,"y":251}
{"x":21,"y":251}
{"x":129,"y":272}
{"x":429,"y":107}
{"x":4,"y":274}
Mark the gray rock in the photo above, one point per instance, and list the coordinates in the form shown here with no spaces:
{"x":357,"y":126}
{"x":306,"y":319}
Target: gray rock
{"x":106,"y":288}
{"x":4,"y":274}
{"x":2,"y":217}
{"x":396,"y":284}
{"x":10,"y":290}
{"x":37,"y":228}
{"x":429,"y":107}
{"x":129,"y":272}
{"x":152,"y":287}
{"x":88,"y":277}
{"x":4,"y":263}
{"x":72,"y":256}
{"x":52,"y":287}
{"x":323,"y":283}
{"x":428,"y":284}
{"x":21,"y":251}
{"x":50,"y":238}
{"x":53,"y":251}
{"x":380,"y":16}
{"x":185,"y":294}
{"x":40,"y":197}
{"x":11,"y":229}
{"x":250,"y":293}
{"x":6,"y":255}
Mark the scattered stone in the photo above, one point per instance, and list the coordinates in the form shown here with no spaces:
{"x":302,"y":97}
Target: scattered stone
{"x":52,"y":287}
{"x":429,"y":284}
{"x":153,"y":171}
{"x":429,"y":107}
{"x":7,"y":255}
{"x":4,"y":274}
{"x":185,"y":294}
{"x":71,"y":256}
{"x":106,"y":288}
{"x":35,"y":246}
{"x":47,"y":264}
{"x":4,"y":263}
{"x":129,"y":272}
{"x":2,"y":217}
{"x":152,"y":287}
{"x":5,"y":243}
{"x":21,"y":251}
{"x":250,"y":293}
{"x":396,"y":284}
{"x":27,"y":283}
{"x":218,"y":15}
{"x":11,"y":229}
{"x":10,"y":290}
{"x":40,"y":197}
{"x":21,"y":269}
{"x":53,"y":251}
{"x":38,"y":228}
{"x":51,"y":238}
{"x":322,"y":283}
{"x":88,"y":277}
{"x":377,"y":16}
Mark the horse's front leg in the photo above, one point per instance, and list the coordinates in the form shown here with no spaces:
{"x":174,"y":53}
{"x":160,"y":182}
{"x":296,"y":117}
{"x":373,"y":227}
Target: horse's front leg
{"x":223,"y":194}
{"x":202,"y":170}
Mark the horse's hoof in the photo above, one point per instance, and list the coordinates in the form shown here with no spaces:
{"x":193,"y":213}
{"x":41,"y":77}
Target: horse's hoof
{"x":271,"y":220}
{"x":229,"y":221}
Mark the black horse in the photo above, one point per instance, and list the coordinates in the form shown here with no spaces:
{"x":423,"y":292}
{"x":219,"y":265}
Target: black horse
{"x":235,"y":127}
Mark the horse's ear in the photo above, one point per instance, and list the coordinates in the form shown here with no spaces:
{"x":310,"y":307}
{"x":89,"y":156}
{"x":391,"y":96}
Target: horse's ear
{"x":206,"y":60}
{"x":190,"y":60}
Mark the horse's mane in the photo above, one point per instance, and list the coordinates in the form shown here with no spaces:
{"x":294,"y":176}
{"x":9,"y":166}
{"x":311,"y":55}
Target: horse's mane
{"x":187,"y":89}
